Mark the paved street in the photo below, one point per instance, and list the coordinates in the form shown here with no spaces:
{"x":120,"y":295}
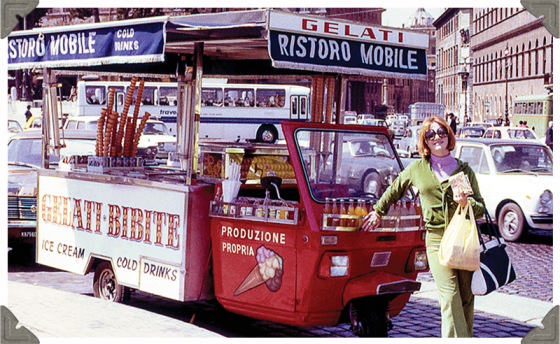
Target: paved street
{"x":420,"y":318}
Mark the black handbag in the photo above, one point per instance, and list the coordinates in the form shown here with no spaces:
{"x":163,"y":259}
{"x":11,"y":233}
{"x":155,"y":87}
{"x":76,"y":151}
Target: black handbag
{"x":496,"y":269}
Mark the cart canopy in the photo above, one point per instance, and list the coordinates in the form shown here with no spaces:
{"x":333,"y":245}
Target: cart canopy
{"x":272,"y":39}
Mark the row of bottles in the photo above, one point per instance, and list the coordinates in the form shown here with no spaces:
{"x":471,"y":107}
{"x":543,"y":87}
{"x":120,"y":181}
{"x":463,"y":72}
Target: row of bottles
{"x":349,"y":213}
{"x":356,"y":209}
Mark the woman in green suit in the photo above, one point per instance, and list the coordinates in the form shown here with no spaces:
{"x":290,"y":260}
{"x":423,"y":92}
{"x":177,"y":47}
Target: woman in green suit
{"x":430,"y":175}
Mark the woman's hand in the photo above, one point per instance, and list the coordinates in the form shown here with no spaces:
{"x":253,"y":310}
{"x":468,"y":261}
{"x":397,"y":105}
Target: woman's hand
{"x":460,"y":198}
{"x":371,"y":221}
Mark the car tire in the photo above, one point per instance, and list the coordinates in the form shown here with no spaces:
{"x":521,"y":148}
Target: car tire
{"x":511,"y":222}
{"x":371,"y":183}
{"x":106,"y":287}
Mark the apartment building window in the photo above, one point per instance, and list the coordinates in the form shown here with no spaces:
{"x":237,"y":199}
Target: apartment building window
{"x":544,"y":56}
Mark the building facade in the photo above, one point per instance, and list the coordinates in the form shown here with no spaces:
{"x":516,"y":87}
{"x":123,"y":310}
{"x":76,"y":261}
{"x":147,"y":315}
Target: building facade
{"x":512,"y":54}
{"x":454,"y":77}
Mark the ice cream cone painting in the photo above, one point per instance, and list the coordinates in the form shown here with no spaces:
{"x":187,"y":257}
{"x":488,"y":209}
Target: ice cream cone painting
{"x":268,"y":271}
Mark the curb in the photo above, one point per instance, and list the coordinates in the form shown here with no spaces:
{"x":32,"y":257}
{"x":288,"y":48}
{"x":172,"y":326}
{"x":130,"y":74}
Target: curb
{"x":48,"y":312}
{"x":522,"y":309}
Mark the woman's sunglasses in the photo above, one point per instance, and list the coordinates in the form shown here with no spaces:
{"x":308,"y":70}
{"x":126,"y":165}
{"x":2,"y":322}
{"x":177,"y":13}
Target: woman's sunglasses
{"x":441,"y":132}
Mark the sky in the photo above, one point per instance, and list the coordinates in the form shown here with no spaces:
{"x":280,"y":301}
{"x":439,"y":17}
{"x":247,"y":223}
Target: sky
{"x":395,"y":17}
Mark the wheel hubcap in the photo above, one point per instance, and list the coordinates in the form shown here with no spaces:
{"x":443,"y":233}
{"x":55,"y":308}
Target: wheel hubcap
{"x":267,"y":136}
{"x":107,"y":285}
{"x":511,"y":222}
{"x":371,"y":186}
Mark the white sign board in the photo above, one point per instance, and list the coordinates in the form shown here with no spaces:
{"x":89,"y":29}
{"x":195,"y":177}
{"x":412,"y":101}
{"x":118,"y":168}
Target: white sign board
{"x":139,"y":229}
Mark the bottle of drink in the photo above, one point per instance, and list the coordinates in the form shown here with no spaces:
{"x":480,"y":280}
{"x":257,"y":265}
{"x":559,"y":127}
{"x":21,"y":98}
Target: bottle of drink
{"x":335,"y":211}
{"x":343,"y":211}
{"x":328,"y":210}
{"x":352,"y":211}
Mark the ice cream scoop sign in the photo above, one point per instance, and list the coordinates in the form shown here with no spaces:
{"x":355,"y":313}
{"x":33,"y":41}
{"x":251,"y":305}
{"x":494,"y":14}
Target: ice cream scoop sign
{"x":269,"y":270}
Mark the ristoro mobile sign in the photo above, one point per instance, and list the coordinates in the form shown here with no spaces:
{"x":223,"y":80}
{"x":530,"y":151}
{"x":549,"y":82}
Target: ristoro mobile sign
{"x":133,"y":41}
{"x":313,"y":43}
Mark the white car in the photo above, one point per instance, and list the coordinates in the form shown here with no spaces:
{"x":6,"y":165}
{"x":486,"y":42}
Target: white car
{"x":155,"y":133}
{"x":374,"y":122}
{"x":410,"y":139}
{"x":364,"y":116}
{"x":515,"y":180}
{"x":510,"y":133}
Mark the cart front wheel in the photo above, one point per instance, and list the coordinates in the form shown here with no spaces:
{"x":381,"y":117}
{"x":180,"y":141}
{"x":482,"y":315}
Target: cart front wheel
{"x":368,"y":317}
{"x":106,"y":287}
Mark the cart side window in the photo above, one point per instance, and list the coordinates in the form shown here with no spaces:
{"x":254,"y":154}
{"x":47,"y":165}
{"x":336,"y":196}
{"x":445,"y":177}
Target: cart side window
{"x":347,"y":164}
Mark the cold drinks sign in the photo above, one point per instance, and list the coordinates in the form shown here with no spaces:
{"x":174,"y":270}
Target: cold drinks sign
{"x":87,"y":45}
{"x":346,"y":47}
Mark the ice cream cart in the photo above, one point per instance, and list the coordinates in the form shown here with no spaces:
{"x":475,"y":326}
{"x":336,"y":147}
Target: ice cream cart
{"x":271,"y":231}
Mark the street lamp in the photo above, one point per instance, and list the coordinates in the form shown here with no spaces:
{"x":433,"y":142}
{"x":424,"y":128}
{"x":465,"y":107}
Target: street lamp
{"x":506,"y":60}
{"x":464,"y":74}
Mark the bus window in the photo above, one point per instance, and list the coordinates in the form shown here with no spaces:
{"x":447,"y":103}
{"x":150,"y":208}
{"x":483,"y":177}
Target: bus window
{"x":168,"y":96}
{"x":271,"y":97}
{"x":294,"y":106}
{"x":212,"y":97}
{"x":239,"y":97}
{"x":148,"y":95}
{"x":303,"y":106}
{"x":95,"y":95}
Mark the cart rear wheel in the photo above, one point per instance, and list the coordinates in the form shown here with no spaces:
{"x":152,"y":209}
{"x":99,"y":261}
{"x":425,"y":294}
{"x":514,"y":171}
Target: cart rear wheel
{"x":368,"y":316}
{"x":106,"y":287}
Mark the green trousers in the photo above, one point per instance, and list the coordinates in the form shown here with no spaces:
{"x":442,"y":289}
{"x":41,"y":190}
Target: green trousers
{"x":454,"y":290}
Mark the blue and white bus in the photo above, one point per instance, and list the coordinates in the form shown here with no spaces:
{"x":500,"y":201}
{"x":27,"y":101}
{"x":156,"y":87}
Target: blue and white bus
{"x":233,"y":112}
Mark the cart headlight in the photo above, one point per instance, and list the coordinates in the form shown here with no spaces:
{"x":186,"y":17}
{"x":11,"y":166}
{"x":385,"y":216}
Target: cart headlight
{"x":334,"y":264}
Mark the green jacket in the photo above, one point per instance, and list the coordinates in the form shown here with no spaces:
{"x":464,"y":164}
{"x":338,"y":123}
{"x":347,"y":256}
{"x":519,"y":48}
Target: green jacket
{"x":436,"y":198}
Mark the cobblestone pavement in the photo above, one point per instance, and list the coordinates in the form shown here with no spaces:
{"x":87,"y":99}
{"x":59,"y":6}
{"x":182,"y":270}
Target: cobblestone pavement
{"x":532,"y":260}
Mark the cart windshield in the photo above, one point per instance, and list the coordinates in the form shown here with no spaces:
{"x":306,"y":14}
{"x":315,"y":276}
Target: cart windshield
{"x":342,"y":164}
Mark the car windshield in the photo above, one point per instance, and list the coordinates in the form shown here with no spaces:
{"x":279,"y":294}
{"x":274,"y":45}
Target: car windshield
{"x":521,"y":134}
{"x":155,"y":129}
{"x":28,"y":151}
{"x":347,"y":164}
{"x":513,"y":158}
{"x":13,"y":127}
{"x":473,"y":131}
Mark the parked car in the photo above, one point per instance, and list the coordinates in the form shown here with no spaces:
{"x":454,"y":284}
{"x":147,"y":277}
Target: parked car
{"x":349,"y":119}
{"x":364,"y":116}
{"x":515,"y":180}
{"x":35,"y":123}
{"x":155,"y":133}
{"x":398,"y":126}
{"x":375,"y":122}
{"x":368,"y":166}
{"x":479,"y":124}
{"x":410,"y":139}
{"x":470,"y":132}
{"x":13,"y":128}
{"x":24,"y":159}
{"x":510,"y":133}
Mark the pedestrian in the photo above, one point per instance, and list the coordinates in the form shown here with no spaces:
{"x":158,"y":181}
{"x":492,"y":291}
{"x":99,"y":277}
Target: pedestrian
{"x":525,"y":124}
{"x":430,"y":175}
{"x":548,"y":135}
{"x":28,"y":113}
{"x":506,"y":124}
{"x":453,"y":123}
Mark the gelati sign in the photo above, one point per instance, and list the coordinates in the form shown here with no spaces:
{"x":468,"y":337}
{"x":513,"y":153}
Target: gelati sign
{"x":346,"y":47}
